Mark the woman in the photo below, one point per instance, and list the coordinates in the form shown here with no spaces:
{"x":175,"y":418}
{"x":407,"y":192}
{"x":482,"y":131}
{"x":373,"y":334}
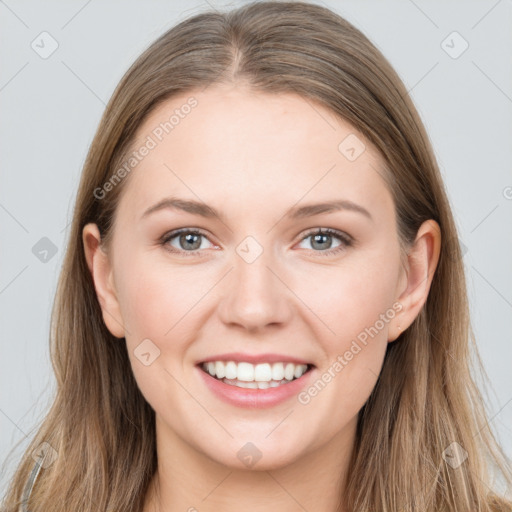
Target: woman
{"x":309,"y":350}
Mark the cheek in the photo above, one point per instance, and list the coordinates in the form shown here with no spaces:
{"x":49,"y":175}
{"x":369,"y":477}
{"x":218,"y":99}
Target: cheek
{"x":354,"y":301}
{"x":349,"y":297}
{"x":158,"y":304}
{"x":156,"y":298}
{"x":351,"y":364}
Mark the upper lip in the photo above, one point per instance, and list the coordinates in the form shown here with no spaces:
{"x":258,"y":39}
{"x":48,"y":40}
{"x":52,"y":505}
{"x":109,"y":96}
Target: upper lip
{"x":239,"y":357}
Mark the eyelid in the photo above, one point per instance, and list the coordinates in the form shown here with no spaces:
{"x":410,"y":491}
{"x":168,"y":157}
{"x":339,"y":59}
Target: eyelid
{"x":346,"y":239}
{"x":328,"y":231}
{"x":167,"y":237}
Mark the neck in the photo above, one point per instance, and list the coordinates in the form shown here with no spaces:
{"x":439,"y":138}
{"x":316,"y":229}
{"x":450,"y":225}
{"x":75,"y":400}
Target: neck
{"x":190,"y":481}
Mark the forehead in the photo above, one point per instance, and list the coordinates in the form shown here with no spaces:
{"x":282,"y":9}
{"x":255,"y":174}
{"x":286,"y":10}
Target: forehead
{"x":231,"y":145}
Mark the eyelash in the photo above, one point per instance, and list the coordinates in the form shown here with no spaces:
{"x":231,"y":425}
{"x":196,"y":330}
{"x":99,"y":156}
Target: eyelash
{"x":347,"y":241}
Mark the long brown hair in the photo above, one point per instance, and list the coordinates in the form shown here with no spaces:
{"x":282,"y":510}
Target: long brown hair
{"x":425,"y":401}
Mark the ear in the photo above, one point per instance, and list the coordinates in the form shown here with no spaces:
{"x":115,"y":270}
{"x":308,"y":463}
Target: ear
{"x":102,"y":275}
{"x":416,"y":278}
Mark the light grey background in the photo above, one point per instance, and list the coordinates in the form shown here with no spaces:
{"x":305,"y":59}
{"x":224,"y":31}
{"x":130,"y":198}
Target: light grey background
{"x":51,"y":107}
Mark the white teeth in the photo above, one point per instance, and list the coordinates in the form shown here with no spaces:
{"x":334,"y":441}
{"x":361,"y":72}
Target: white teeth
{"x":240,"y":384}
{"x":220,"y":370}
{"x":254,"y":385}
{"x":297,"y":372}
{"x":278,"y":371}
{"x":231,"y":370}
{"x":262,"y":373}
{"x":289,"y":371}
{"x":245,"y":371}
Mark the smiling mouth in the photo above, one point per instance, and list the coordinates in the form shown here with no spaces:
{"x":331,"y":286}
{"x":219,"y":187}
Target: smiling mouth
{"x":259,"y":376}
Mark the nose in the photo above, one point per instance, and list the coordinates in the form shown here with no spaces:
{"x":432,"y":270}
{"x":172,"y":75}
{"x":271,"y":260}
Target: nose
{"x":255,"y":295}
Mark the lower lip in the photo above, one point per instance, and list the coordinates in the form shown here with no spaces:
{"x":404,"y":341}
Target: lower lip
{"x":254,"y":398}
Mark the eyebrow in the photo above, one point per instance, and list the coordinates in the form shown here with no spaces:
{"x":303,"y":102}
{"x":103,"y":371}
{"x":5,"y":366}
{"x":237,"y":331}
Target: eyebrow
{"x":297,"y":212}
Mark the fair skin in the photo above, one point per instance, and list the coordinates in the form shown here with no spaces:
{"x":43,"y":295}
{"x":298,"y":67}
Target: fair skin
{"x":252,"y":157}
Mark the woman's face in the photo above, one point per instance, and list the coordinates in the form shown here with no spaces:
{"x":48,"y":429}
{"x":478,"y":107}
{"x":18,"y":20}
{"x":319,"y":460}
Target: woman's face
{"x":257,"y":285}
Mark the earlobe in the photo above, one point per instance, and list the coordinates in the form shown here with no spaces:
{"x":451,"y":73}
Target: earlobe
{"x":422,"y":261}
{"x":101,"y":272}
{"x":395,"y":328}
